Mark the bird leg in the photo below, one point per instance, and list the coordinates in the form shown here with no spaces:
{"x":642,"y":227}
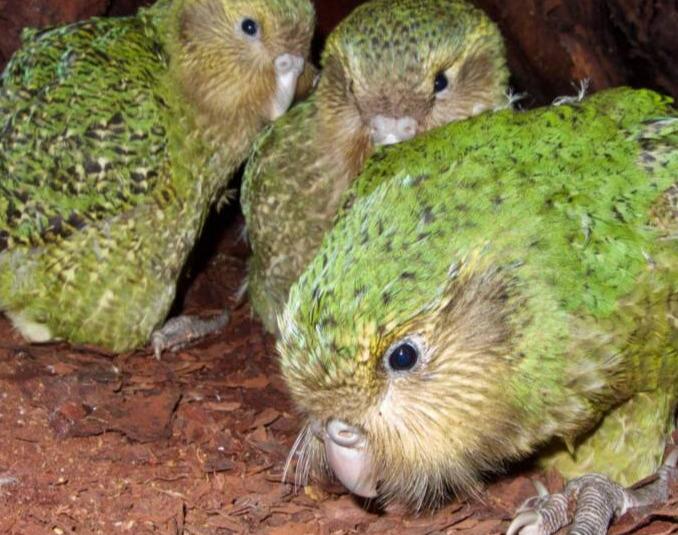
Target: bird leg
{"x":180,"y":331}
{"x":590,"y":503}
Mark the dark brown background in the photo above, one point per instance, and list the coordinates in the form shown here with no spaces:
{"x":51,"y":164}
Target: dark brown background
{"x":552,"y":43}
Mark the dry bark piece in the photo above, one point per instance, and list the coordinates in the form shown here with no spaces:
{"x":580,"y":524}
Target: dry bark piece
{"x":266,"y":417}
{"x":344,"y":513}
{"x":143,"y":417}
{"x":217,"y":462}
{"x":223,"y":406}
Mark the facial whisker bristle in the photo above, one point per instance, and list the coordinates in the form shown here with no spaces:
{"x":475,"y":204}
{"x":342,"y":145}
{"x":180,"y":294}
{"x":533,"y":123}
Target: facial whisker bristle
{"x":298,"y":447}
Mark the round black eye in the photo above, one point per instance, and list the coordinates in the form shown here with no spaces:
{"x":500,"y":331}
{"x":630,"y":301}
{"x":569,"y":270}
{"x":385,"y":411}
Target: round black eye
{"x":440,"y":83}
{"x":403,"y":357}
{"x":250,"y":27}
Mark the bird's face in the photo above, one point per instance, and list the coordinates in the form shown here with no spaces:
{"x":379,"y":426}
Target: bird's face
{"x":405,"y":67}
{"x":243,"y":56}
{"x":411,"y":409}
{"x":399,"y":360}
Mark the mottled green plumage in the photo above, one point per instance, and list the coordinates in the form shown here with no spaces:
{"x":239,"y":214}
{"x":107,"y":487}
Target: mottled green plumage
{"x":116,"y":137}
{"x":57,"y":128}
{"x":383,"y":59}
{"x":533,"y":259}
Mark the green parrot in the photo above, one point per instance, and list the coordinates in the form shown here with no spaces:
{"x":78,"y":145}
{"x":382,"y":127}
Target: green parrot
{"x":497,"y":288}
{"x":116,"y":138}
{"x":391,"y":70}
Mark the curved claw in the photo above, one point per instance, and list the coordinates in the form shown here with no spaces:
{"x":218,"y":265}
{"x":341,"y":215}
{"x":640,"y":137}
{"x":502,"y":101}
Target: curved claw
{"x":533,"y":503}
{"x":180,"y":331}
{"x":541,"y":489}
{"x":668,"y":472}
{"x":544,"y":514}
{"x":529,"y":521}
{"x":589,"y":503}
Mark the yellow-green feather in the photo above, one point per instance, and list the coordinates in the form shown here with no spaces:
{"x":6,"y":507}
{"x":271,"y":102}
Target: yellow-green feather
{"x":109,"y":166}
{"x":536,"y":252}
{"x":295,"y":177}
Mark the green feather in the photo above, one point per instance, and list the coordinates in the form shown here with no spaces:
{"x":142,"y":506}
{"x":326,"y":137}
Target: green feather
{"x":382,"y":59}
{"x":111,"y":157}
{"x":536,"y":255}
{"x":73,"y":153}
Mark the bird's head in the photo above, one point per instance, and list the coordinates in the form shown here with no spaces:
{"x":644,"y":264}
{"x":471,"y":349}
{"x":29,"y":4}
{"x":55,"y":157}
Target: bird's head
{"x":396,"y":68}
{"x":239,"y":61}
{"x":397,"y":344}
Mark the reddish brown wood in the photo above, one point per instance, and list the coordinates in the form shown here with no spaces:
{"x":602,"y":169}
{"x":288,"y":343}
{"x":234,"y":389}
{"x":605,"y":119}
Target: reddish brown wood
{"x":650,"y":29}
{"x":16,"y":14}
{"x":330,"y":12}
{"x":553,"y":43}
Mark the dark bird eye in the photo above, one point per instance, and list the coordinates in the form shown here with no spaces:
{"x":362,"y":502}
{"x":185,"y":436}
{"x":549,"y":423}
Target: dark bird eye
{"x":250,"y":27}
{"x":403,"y":357}
{"x":440,"y":83}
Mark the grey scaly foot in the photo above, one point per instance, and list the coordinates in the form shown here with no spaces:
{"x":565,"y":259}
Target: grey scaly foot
{"x":180,"y":331}
{"x":590,"y":503}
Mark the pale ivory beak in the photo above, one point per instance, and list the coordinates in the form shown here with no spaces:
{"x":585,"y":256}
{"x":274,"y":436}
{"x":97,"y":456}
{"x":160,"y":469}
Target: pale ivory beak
{"x":390,"y":130}
{"x":287,"y":67}
{"x":347,"y":456}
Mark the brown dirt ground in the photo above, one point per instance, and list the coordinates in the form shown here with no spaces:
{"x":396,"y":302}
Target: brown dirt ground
{"x":193,"y":444}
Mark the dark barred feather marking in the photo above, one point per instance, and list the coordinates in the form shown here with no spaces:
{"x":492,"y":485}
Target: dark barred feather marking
{"x":67,"y":159}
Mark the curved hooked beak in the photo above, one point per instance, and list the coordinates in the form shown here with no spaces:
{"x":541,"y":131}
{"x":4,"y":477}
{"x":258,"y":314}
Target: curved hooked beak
{"x":288,"y":68}
{"x":347,"y":456}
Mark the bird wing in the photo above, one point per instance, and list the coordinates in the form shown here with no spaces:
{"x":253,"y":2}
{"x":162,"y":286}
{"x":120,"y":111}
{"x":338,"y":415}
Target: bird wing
{"x":82,"y":135}
{"x":279,"y":170}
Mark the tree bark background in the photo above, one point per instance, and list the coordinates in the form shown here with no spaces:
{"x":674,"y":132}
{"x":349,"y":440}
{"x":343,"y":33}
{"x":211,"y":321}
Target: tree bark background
{"x":552,"y":44}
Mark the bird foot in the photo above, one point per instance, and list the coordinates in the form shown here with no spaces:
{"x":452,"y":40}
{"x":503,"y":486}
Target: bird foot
{"x":589,"y":503}
{"x":180,"y":331}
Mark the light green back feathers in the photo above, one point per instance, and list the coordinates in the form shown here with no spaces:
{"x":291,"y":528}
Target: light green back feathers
{"x":559,"y":187}
{"x":542,"y":244}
